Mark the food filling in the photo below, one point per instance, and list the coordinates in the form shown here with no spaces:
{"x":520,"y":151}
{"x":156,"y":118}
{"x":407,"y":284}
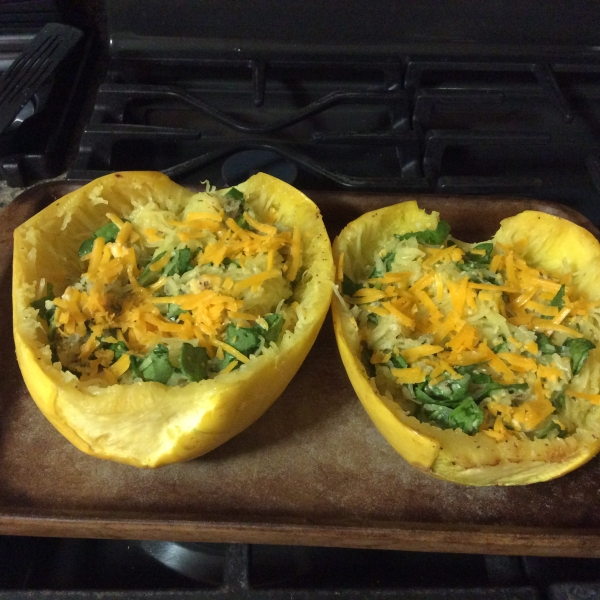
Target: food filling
{"x":175,"y":296}
{"x":470,"y":337}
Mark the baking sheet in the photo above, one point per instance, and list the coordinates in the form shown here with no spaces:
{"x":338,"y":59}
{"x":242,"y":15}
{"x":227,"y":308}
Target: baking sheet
{"x":313,"y":470}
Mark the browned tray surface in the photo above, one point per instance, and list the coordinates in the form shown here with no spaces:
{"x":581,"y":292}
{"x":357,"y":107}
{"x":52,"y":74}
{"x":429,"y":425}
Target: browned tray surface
{"x":313,"y":470}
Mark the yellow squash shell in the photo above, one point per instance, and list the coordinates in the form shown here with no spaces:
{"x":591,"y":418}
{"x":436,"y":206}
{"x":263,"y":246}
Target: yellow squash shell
{"x":148,"y":424}
{"x":556,"y":245}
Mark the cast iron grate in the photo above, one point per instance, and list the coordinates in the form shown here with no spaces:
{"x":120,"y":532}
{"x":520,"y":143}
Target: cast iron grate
{"x":408,"y":125}
{"x":82,"y":569}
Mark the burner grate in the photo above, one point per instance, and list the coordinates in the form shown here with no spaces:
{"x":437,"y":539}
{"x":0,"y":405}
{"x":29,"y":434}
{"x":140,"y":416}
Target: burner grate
{"x":408,"y":125}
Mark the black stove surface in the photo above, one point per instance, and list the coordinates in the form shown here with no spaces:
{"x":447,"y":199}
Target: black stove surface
{"x":411,"y":124}
{"x":69,"y":568}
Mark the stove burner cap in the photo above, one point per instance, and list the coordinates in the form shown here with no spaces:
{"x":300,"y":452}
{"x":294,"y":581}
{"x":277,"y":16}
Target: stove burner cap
{"x":242,"y":165}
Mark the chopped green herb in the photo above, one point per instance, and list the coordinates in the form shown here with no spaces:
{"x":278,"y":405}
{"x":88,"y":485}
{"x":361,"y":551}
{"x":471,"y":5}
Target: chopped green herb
{"x":373,"y":319}
{"x":492,"y":386}
{"x":503,"y":347}
{"x":193,"y":361}
{"x":156,"y":365}
{"x":242,"y":223}
{"x":480,"y":260}
{"x":40,"y":304}
{"x":173,"y":312}
{"x":179,"y":263}
{"x":118,"y":348}
{"x":545,"y":346}
{"x":86,"y":247}
{"x":433,"y":237}
{"x":480,"y":378}
{"x":558,"y":400}
{"x":466,"y":416}
{"x":550,"y":427}
{"x":450,"y":390}
{"x":579,"y":350}
{"x":435,"y":414}
{"x":245,"y":340}
{"x":398,"y":361}
{"x":109,"y":232}
{"x":275,"y":322}
{"x":387,"y":261}
{"x":149,"y":277}
{"x":234,"y":194}
{"x":558,"y":300}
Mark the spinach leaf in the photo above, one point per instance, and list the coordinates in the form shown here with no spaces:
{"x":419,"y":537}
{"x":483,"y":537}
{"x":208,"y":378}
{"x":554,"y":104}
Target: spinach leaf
{"x":549,"y":428}
{"x":228,"y":261}
{"x":109,"y":232}
{"x":156,"y":365}
{"x":193,"y":361}
{"x":544,"y":344}
{"x":503,"y":347}
{"x":40,"y":304}
{"x":373,"y":319}
{"x":558,"y":300}
{"x":387,"y":261}
{"x":237,"y":212}
{"x":397,"y":361}
{"x":454,"y":390}
{"x":480,"y":260}
{"x":242,"y":223}
{"x":173,"y":312}
{"x":492,"y":386}
{"x":179,"y":263}
{"x":433,"y":237}
{"x":244,"y":340}
{"x":86,"y":247}
{"x":480,"y":378}
{"x":578,"y":350}
{"x":349,"y":288}
{"x":275,"y":322}
{"x":558,"y":400}
{"x":466,"y":416}
{"x":118,"y":348}
{"x":234,"y":194}
{"x":476,"y":274}
{"x":422,"y":396}
{"x":149,"y":277}
{"x":435,"y":414}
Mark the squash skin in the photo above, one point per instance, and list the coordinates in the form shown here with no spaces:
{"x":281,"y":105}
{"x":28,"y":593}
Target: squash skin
{"x":148,"y":424}
{"x":429,"y":448}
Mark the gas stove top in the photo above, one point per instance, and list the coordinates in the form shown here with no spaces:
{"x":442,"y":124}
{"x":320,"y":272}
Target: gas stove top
{"x":464,"y":117}
{"x":132,"y":569}
{"x":490,"y":102}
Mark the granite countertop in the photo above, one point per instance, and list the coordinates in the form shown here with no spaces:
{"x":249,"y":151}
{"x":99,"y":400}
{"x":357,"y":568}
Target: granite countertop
{"x":8,"y":194}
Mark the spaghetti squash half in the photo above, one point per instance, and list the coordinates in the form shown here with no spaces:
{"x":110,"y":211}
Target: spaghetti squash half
{"x":479,"y":363}
{"x":153,"y":323}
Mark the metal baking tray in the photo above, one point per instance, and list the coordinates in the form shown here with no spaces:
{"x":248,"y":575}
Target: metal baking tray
{"x":313,"y":470}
